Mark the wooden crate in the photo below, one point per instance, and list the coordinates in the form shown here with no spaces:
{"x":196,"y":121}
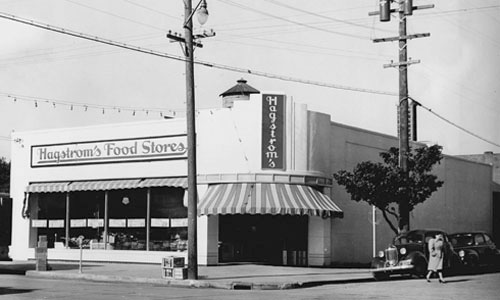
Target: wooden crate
{"x":173,"y":262}
{"x":174,"y":273}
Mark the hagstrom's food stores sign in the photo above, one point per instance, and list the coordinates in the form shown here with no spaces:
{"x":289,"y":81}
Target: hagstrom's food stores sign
{"x":125,"y":150}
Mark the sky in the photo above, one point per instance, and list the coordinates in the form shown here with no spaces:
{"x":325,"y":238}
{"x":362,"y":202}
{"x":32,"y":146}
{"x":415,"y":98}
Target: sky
{"x":52,"y":80}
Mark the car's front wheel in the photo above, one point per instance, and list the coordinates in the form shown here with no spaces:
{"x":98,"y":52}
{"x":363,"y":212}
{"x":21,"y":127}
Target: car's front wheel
{"x":420,"y":267}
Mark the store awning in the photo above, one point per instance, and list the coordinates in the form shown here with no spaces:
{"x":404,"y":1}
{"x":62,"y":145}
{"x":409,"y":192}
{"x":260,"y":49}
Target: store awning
{"x":47,"y":187}
{"x":103,"y":185}
{"x":167,"y":181}
{"x":266,"y":198}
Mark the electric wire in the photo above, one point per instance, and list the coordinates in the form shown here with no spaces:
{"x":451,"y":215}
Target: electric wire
{"x":311,"y":49}
{"x":453,"y":123}
{"x":278,"y":3}
{"x":115,"y":15}
{"x":292,"y":21}
{"x":153,"y":10}
{"x":183,"y":59}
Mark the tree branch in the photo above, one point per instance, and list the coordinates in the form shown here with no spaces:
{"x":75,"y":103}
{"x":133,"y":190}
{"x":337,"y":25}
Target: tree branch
{"x":392,"y":212}
{"x":386,"y":217}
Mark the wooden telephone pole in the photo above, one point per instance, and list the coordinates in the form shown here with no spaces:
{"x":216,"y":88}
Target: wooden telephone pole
{"x":190,"y":42}
{"x":404,"y":10}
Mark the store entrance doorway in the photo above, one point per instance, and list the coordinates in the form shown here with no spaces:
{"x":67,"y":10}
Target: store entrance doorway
{"x":261,"y":238}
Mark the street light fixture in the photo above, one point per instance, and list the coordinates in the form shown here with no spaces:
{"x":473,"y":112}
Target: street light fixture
{"x":202,"y":13}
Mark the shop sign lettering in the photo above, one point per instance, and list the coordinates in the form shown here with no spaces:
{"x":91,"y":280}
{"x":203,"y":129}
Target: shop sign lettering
{"x":273,"y":127}
{"x":126,"y":150}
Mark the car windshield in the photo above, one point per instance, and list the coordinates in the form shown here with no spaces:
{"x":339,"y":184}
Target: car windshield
{"x":461,"y":240}
{"x":411,"y":237}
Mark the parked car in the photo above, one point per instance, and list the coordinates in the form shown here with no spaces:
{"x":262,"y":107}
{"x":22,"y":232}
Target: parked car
{"x":475,"y":249}
{"x":408,"y":255}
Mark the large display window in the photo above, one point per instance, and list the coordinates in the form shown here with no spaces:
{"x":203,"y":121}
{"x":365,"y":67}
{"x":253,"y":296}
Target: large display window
{"x":168,"y":220}
{"x":48,"y":213}
{"x":127,"y":211}
{"x":86,"y":218}
{"x":151,"y":219}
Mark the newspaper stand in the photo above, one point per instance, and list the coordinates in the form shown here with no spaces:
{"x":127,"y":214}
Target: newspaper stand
{"x":173,"y":268}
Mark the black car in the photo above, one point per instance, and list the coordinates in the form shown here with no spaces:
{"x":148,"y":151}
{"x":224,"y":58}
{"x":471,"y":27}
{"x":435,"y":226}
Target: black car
{"x":475,"y":249}
{"x":409,"y":254}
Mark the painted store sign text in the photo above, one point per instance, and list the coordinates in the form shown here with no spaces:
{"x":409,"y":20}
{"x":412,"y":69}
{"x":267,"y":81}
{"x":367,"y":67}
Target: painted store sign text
{"x":273,"y":127}
{"x":126,"y":150}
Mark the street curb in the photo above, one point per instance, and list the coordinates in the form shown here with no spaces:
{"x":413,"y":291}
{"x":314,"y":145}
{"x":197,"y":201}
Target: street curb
{"x":229,"y":285}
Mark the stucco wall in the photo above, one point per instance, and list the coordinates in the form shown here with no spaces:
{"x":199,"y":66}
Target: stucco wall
{"x":462,"y":203}
{"x":352,"y":236}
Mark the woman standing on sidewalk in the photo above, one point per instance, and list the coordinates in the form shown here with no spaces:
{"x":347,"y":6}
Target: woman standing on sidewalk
{"x":436,"y":256}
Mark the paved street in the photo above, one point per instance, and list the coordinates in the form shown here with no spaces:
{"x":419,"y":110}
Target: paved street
{"x":481,"y":286}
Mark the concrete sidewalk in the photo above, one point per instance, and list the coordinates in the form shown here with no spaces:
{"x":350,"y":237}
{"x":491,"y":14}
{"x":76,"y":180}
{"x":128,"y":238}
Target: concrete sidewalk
{"x":236,"y":276}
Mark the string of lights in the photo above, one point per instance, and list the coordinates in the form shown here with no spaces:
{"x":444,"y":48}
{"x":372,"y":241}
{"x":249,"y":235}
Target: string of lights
{"x":37,"y":101}
{"x":181,"y":58}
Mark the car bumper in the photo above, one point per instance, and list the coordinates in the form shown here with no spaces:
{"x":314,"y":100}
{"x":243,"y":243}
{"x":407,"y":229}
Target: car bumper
{"x":393,"y":269}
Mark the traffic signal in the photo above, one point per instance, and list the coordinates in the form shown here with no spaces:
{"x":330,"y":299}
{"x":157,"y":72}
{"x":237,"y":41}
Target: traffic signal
{"x":385,"y":10}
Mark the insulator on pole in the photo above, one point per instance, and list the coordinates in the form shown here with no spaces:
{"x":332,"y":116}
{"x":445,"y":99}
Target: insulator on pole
{"x":385,"y":10}
{"x":408,"y":7}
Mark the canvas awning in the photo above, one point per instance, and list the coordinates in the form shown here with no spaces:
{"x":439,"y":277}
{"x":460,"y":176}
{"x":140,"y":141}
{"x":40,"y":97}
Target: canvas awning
{"x":103,"y":185}
{"x":266,"y":198}
{"x":48,"y":187}
{"x":166,"y":181}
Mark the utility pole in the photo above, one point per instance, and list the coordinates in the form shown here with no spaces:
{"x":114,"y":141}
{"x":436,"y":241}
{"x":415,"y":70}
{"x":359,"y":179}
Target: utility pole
{"x":191,"y":142}
{"x":192,"y":193}
{"x":404,"y":10}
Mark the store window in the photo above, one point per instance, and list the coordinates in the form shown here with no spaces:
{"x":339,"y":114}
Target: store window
{"x":127,"y":211}
{"x":168,"y":220}
{"x":48,"y":211}
{"x":126,"y":222}
{"x":86,"y":213}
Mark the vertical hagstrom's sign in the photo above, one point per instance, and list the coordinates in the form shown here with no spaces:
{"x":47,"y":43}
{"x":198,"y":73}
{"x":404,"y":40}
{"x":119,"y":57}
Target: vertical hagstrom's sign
{"x":273,"y":131}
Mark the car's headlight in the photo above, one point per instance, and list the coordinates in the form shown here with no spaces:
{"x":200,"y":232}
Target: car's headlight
{"x":461,"y":253}
{"x":402,"y":251}
{"x":381,"y":254}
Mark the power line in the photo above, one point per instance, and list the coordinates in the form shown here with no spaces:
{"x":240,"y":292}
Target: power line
{"x":326,"y":51}
{"x":319,"y":15}
{"x":182,"y":58}
{"x":454,"y":124}
{"x":153,"y":10}
{"x":292,"y":21}
{"x":115,"y":15}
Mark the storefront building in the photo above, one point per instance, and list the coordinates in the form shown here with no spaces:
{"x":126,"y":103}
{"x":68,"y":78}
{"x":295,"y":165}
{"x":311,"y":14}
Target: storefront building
{"x":265,"y":187}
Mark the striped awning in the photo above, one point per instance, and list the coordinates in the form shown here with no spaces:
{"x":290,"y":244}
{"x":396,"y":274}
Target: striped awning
{"x":103,"y":185}
{"x":266,"y":198}
{"x":47,"y":187}
{"x":166,"y":181}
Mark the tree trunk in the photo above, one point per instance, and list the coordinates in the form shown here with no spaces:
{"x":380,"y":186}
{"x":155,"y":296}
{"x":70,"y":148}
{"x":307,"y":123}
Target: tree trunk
{"x":404,"y":216}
